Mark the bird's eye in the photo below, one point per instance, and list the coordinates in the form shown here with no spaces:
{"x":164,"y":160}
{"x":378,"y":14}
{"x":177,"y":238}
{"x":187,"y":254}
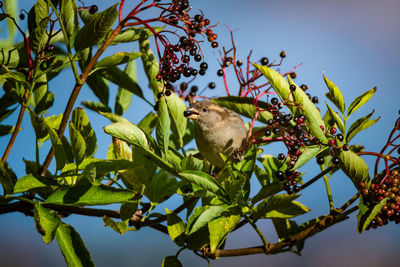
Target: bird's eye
{"x":205,"y":109}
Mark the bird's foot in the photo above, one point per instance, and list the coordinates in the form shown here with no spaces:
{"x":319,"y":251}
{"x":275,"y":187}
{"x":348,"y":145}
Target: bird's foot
{"x":237,"y":155}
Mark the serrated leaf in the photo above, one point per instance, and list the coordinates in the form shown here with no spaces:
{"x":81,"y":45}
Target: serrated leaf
{"x":82,"y":125}
{"x":366,"y":214}
{"x":308,"y":153}
{"x":354,"y":167}
{"x":96,"y":29}
{"x":72,"y":247}
{"x":236,"y":188}
{"x":134,"y":34}
{"x":207,"y":216}
{"x":69,"y":17}
{"x":162,"y":186}
{"x":176,"y":107}
{"x":176,"y":227}
{"x":171,"y":261}
{"x":78,"y":144}
{"x":122,"y":79}
{"x":267,"y":191}
{"x":28,"y":182}
{"x":148,"y":123}
{"x":163,"y":127}
{"x":88,"y":194}
{"x":57,"y":145}
{"x":279,"y":206}
{"x":336,"y":118}
{"x":360,"y":101}
{"x":124,"y":96}
{"x":116,"y":59}
{"x":220,"y":228}
{"x":245,"y":106}
{"x":96,"y":106}
{"x":203,"y":180}
{"x":360,"y":125}
{"x":334,"y":94}
{"x":6,"y":178}
{"x":46,"y":222}
{"x":151,"y":66}
{"x":119,"y":227}
{"x":37,"y":22}
{"x":191,"y":163}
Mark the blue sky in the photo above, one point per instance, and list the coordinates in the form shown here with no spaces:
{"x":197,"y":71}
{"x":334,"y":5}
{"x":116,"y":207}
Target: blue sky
{"x":355,"y":42}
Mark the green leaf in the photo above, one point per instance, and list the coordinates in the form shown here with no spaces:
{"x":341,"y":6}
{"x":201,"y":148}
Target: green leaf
{"x":46,"y":222}
{"x":6,"y":178}
{"x":151,"y":66}
{"x":4,"y":114}
{"x":88,"y":194}
{"x":176,"y":107}
{"x":360,"y":101}
{"x":82,"y":125}
{"x":127,"y":210}
{"x":279,"y":206}
{"x":127,"y":132}
{"x":334,"y":95}
{"x":148,"y":123}
{"x":72,"y":247}
{"x":366,"y":214}
{"x":336,"y":118}
{"x":207,"y":216}
{"x":284,"y":227}
{"x":116,"y":59}
{"x":267,"y":191}
{"x":162,"y":186}
{"x":37,"y":22}
{"x":308,"y":153}
{"x":171,"y":261}
{"x":124,"y":96}
{"x":78,"y":143}
{"x":59,"y":152}
{"x":96,"y":29}
{"x":236,"y":188}
{"x":11,"y":56}
{"x":246,"y":166}
{"x":314,"y":120}
{"x":28,"y":182}
{"x":134,"y":34}
{"x":271,"y":165}
{"x":219,"y":229}
{"x":96,"y":106}
{"x":354,"y":167}
{"x":163,"y":126}
{"x":119,"y":227}
{"x":69,"y":17}
{"x":360,"y":125}
{"x":122,"y":79}
{"x":176,"y":227}
{"x":6,"y":129}
{"x":99,"y":87}
{"x":245,"y":106}
{"x":191,"y":163}
{"x":203,"y":180}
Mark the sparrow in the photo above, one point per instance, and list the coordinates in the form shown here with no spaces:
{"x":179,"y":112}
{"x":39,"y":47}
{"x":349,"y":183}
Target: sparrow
{"x":217,"y":130}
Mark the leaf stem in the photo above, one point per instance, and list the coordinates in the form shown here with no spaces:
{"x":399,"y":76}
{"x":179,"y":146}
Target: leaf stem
{"x":260,"y":234}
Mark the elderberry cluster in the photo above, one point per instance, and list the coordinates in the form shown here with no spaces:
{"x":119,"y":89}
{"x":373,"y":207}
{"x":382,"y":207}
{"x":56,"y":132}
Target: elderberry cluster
{"x":378,"y":190}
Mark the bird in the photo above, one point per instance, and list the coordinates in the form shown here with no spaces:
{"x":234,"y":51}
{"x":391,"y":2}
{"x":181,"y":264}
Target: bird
{"x":217,"y":130}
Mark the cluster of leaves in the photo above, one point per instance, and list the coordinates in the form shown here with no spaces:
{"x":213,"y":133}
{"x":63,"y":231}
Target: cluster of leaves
{"x":144,"y":166}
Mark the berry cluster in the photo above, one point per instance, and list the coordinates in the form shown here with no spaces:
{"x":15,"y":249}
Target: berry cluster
{"x":378,"y":190}
{"x":291,"y":177}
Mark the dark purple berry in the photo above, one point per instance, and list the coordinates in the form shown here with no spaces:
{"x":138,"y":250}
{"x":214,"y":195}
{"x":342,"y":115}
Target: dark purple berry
{"x":280,"y":175}
{"x":93,"y":9}
{"x":274,"y":101}
{"x":320,"y":160}
{"x":335,"y":160}
{"x":203,"y":66}
{"x":292,"y":87}
{"x":211,"y":85}
{"x":281,"y":156}
{"x":264,"y":61}
{"x":168,"y":92}
{"x":220,"y":72}
{"x":21,"y":16}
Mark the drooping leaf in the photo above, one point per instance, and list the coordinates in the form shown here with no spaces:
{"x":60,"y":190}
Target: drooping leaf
{"x":219,"y":229}
{"x":334,"y":94}
{"x":360,"y":125}
{"x":162,"y":186}
{"x":119,"y":227}
{"x":203,"y":180}
{"x":267,"y":191}
{"x":367,"y":213}
{"x":96,"y":29}
{"x":96,"y":106}
{"x":176,"y":107}
{"x":28,"y":182}
{"x":246,"y":166}
{"x":99,"y":87}
{"x":163,"y":127}
{"x":6,"y":178}
{"x":69,"y":17}
{"x":308,"y":153}
{"x":360,"y":101}
{"x":46,"y":222}
{"x":78,"y":143}
{"x":148,"y":123}
{"x":176,"y":227}
{"x":37,"y":22}
{"x":124,"y":96}
{"x":72,"y":247}
{"x":354,"y":167}
{"x":134,"y":34}
{"x":6,"y":129}
{"x":245,"y":106}
{"x":58,"y":147}
{"x":206,"y":216}
{"x":151,"y":66}
{"x":236,"y":188}
{"x":82,"y":125}
{"x":279,"y":206}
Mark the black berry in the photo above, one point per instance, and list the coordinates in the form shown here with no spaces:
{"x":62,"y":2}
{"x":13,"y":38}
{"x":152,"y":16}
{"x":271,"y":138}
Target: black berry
{"x":211,"y":85}
{"x":320,"y":160}
{"x":93,"y":9}
{"x":220,"y":72}
{"x":264,"y":61}
{"x":335,"y":160}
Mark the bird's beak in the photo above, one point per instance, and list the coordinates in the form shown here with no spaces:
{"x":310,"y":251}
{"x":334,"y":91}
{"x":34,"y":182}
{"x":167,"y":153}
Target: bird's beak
{"x":191,"y":113}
